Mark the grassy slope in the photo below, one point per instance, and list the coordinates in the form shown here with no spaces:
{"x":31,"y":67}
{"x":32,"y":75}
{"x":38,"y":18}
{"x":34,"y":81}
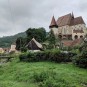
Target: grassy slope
{"x":16,"y":74}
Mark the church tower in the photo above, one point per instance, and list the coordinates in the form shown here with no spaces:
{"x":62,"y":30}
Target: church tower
{"x":54,"y":26}
{"x":72,"y":15}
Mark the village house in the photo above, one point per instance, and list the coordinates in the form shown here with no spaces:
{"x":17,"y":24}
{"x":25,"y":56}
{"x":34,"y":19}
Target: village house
{"x":34,"y":46}
{"x":13,"y":48}
{"x":68,"y":27}
{"x":1,"y":50}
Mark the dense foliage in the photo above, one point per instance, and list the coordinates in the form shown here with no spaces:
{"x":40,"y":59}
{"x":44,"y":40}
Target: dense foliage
{"x":20,"y":43}
{"x":51,"y":39}
{"x":38,"y":33}
{"x":49,"y":55}
{"x":81,"y":59}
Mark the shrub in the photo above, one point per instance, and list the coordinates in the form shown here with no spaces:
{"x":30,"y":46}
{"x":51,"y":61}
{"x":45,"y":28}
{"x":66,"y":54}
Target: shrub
{"x":12,"y":52}
{"x":45,"y":78}
{"x":23,"y":57}
{"x":52,"y":82}
{"x":48,"y":55}
{"x":23,"y":49}
{"x":31,"y":57}
{"x":81,"y":59}
{"x":40,"y":77}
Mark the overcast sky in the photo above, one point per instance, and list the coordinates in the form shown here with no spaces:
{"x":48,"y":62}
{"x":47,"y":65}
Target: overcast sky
{"x":18,"y":15}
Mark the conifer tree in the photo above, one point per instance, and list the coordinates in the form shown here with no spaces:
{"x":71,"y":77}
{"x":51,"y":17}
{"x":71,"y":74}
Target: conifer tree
{"x":52,"y":39}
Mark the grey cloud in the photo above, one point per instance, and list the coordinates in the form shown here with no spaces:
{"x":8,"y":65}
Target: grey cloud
{"x":18,"y":15}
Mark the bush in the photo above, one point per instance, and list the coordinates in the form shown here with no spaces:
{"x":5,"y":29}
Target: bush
{"x":40,"y":77}
{"x":48,"y":55}
{"x":81,"y":59}
{"x":12,"y":52}
{"x":31,"y":57}
{"x":23,"y":49}
{"x":50,"y":82}
{"x":23,"y":57}
{"x":49,"y":79}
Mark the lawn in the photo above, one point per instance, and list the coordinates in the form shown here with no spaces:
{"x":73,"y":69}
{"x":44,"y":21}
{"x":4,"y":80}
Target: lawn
{"x":42,"y":74}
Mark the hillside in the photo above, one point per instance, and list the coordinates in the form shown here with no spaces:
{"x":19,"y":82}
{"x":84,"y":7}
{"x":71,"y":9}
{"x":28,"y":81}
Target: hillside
{"x":8,"y":40}
{"x":41,"y":74}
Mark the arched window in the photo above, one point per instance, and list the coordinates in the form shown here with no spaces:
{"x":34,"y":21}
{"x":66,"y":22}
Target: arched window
{"x":76,"y":37}
{"x":81,"y":36}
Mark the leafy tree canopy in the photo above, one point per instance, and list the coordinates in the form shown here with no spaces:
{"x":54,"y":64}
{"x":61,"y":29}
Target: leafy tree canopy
{"x":38,"y":33}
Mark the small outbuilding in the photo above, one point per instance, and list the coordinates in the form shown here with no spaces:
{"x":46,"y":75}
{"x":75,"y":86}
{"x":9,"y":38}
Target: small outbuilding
{"x":13,"y":48}
{"x":1,"y":50}
{"x":34,"y":45}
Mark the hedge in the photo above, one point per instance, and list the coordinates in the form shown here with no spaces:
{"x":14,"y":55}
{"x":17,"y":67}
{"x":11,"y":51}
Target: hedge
{"x":49,"y":55}
{"x":81,"y":59}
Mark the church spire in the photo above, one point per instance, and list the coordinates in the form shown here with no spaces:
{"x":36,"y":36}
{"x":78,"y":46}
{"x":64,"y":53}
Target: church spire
{"x":53,"y":23}
{"x":72,"y":15}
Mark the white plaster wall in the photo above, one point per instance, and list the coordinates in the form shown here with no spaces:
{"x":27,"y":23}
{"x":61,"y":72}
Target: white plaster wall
{"x":13,"y":48}
{"x":69,"y":30}
{"x":79,"y":27}
{"x":65,"y":30}
{"x":55,"y":30}
{"x":78,"y":34}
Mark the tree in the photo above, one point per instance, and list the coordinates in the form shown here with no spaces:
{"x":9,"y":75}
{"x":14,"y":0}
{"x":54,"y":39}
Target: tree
{"x":20,"y":42}
{"x":81,"y":59}
{"x":39,"y":34}
{"x":52,"y":39}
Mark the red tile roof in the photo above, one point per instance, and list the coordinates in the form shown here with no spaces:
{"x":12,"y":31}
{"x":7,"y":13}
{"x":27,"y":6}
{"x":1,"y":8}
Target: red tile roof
{"x":72,"y":43}
{"x":67,"y":20}
{"x":67,"y":43}
{"x":76,"y":21}
{"x":64,"y":20}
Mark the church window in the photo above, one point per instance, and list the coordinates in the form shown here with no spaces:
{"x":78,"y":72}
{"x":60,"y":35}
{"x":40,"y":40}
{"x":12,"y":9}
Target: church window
{"x":76,"y":37}
{"x":81,"y":36}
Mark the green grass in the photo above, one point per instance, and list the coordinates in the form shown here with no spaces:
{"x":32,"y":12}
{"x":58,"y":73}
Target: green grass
{"x":19,"y":74}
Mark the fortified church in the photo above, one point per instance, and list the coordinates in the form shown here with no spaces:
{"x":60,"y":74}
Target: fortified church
{"x":68,"y":27}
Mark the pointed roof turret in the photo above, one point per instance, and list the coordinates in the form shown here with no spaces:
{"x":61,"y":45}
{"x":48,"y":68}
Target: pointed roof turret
{"x":53,"y":23}
{"x":72,"y":15}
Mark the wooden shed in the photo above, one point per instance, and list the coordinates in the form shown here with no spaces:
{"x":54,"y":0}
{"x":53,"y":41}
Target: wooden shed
{"x":34,"y":45}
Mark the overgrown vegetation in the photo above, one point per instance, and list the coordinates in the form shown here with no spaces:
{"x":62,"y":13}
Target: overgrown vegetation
{"x":81,"y":59}
{"x":48,"y":55}
{"x":41,"y":74}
